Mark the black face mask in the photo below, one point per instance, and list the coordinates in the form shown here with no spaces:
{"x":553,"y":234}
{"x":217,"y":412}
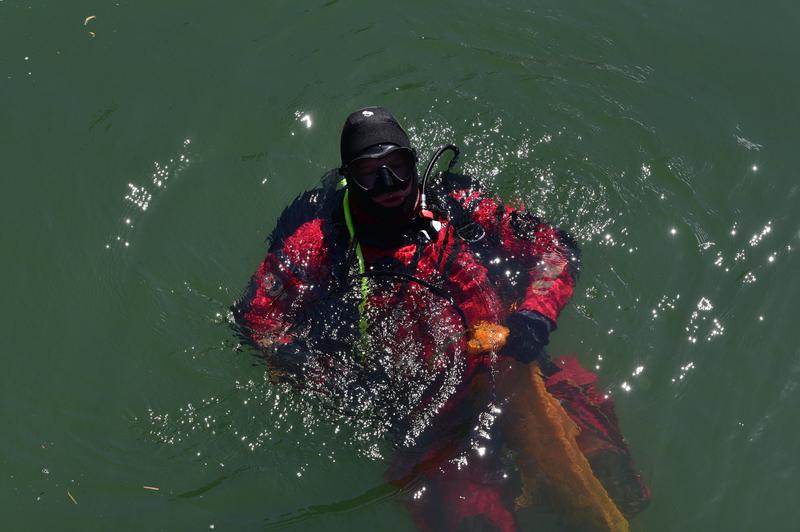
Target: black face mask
{"x":385,"y":168}
{"x":387,"y":181}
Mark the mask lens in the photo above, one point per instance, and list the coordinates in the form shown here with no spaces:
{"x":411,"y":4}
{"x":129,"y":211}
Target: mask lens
{"x":366,"y":171}
{"x":402,"y":164}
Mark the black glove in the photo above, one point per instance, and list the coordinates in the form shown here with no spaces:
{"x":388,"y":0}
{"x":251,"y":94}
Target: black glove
{"x":528,"y":333}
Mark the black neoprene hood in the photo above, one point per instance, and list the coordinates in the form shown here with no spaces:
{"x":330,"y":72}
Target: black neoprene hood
{"x":366,"y":128}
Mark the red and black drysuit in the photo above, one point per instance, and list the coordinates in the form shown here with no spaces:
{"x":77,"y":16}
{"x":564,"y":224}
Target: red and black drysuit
{"x":478,"y":260}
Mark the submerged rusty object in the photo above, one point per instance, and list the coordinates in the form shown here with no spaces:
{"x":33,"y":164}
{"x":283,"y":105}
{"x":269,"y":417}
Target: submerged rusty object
{"x":553,"y":468}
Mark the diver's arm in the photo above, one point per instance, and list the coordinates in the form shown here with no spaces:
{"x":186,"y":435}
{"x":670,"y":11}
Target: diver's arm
{"x":264,"y":314}
{"x":297,"y":261}
{"x":553,"y":262}
{"x":549,"y":257}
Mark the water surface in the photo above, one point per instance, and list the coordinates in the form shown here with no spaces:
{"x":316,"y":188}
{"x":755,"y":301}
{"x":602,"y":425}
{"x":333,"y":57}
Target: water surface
{"x":147,"y":152}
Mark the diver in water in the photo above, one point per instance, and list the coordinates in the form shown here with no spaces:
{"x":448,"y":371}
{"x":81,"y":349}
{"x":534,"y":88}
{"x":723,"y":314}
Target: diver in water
{"x":374,"y":265}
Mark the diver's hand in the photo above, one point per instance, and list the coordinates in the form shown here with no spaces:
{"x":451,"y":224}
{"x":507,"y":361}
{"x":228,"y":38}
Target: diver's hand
{"x":529,"y":333}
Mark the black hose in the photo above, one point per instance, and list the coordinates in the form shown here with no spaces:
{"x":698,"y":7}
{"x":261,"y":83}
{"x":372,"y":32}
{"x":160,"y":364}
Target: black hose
{"x":432,"y":163}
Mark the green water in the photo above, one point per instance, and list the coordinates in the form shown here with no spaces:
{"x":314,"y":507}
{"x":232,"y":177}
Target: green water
{"x":662,"y":133}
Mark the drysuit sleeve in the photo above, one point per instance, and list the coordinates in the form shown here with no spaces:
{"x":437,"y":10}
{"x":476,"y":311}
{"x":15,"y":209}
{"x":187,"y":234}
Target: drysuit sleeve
{"x":277,"y":292}
{"x":546,"y":258}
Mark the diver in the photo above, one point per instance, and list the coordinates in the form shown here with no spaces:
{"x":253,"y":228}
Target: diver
{"x":371,"y":267}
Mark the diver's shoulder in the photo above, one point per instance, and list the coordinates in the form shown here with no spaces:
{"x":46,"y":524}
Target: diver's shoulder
{"x":450,"y":182}
{"x":316,"y":206}
{"x":459,"y":191}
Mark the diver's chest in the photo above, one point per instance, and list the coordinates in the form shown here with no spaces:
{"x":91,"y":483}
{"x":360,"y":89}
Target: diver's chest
{"x":425,"y":256}
{"x":404,"y":264}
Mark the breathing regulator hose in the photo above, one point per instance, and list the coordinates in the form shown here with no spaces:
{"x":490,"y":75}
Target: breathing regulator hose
{"x":432,"y":163}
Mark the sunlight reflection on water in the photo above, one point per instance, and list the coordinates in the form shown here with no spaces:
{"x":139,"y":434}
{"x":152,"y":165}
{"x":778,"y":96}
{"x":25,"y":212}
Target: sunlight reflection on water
{"x":140,"y":196}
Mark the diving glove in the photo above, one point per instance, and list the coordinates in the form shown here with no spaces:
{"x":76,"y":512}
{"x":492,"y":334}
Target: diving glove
{"x":529,"y":333}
